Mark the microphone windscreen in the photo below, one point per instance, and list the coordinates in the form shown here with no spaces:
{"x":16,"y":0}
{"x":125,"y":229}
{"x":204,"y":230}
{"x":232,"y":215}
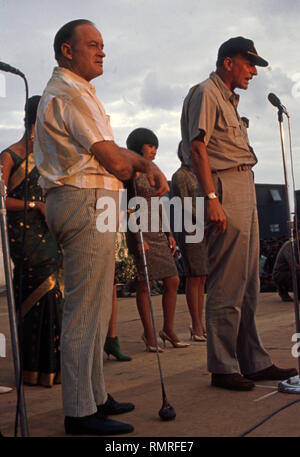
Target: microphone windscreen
{"x":5,"y":67}
{"x":274,"y":100}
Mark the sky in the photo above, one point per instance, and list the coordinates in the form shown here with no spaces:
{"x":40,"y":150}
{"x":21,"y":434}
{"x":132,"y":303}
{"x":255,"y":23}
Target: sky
{"x":155,"y":51}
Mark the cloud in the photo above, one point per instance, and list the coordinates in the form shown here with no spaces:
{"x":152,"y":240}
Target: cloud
{"x":159,"y":94}
{"x":155,"y":51}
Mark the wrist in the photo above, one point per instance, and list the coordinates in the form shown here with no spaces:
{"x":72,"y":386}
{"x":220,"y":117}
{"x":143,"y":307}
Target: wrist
{"x":212,"y":201}
{"x":31,"y":205}
{"x":211,"y":196}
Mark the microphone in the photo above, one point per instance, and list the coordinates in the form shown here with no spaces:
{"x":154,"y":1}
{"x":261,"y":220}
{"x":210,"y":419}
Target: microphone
{"x":9,"y":69}
{"x":276,"y":102}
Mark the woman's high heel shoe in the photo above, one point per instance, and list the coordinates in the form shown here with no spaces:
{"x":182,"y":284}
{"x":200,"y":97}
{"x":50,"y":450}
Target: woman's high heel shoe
{"x":151,"y":348}
{"x":195,"y":337}
{"x":176,"y":344}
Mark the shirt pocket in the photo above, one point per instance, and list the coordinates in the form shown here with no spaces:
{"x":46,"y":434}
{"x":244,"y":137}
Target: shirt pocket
{"x":234,"y":131}
{"x":232,"y":124}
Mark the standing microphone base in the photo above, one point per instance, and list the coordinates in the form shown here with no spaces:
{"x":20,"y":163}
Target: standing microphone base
{"x":290,"y":386}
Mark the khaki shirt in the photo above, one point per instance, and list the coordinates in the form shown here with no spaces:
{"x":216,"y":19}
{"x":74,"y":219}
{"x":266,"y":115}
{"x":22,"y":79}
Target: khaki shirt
{"x":70,"y":119}
{"x":212,"y":107}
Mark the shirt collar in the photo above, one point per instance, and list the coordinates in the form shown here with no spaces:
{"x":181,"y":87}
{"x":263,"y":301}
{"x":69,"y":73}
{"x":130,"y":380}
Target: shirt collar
{"x":225,"y":91}
{"x":64,"y":73}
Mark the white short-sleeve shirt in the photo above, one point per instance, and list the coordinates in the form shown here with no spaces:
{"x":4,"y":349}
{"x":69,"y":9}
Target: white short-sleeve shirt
{"x":70,"y":119}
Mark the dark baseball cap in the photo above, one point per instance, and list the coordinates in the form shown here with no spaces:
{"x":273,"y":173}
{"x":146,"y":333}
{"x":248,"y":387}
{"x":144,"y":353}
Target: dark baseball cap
{"x":241,"y":45}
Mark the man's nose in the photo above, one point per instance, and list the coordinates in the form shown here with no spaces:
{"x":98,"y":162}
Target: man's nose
{"x":101,"y":53}
{"x":254,"y":70}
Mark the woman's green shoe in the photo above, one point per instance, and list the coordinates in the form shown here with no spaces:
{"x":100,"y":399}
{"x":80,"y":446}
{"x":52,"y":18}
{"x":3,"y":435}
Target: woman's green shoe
{"x":112,"y":346}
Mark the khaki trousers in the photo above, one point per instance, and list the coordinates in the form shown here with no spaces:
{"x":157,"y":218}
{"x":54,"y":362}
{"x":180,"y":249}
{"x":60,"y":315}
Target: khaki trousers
{"x":88,"y":273}
{"x":233,"y":282}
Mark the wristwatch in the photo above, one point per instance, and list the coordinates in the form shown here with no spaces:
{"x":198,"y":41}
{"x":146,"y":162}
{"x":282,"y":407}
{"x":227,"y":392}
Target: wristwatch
{"x":211,"y":196}
{"x":31,"y":204}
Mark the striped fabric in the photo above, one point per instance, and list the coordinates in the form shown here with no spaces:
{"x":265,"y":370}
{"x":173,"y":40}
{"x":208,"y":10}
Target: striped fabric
{"x":89,"y":266}
{"x":70,"y":120}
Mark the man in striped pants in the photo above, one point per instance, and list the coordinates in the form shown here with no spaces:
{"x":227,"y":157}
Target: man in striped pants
{"x":79,"y":163}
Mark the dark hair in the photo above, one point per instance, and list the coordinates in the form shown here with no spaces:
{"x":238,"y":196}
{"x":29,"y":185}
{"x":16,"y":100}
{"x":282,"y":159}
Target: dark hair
{"x":180,"y":152}
{"x":220,"y":61}
{"x":32,"y":106}
{"x":245,"y":120}
{"x":65,"y":34}
{"x":138,"y":137}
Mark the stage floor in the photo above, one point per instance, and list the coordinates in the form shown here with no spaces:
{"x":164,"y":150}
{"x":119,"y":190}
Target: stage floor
{"x":202,"y":410}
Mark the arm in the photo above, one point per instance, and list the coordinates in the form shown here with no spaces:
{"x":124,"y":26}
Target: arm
{"x":14,"y":204}
{"x":123,"y":163}
{"x":215,"y":213}
{"x":113,"y":159}
{"x":88,"y":125}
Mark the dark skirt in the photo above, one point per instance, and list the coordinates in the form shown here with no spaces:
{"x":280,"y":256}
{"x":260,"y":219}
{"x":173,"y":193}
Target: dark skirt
{"x":160,"y":261}
{"x":194,"y":255}
{"x":41,"y":340}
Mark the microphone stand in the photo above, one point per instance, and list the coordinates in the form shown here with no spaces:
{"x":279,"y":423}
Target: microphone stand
{"x":14,"y":324}
{"x":291,"y":385}
{"x":11,"y":306}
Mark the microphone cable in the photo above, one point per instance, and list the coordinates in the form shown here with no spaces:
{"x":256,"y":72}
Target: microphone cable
{"x":268,"y":417}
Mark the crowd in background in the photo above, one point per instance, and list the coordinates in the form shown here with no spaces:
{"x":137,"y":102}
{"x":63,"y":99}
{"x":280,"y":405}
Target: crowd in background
{"x":269,"y":249}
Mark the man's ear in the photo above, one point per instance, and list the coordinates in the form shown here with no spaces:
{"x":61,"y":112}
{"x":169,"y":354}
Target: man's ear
{"x":227,"y":63}
{"x":66,"y":50}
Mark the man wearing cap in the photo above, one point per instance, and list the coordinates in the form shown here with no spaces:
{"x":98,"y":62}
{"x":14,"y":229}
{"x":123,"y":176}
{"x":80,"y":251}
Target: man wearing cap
{"x":216,"y":144}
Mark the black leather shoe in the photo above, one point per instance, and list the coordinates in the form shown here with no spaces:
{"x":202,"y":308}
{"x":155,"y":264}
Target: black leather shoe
{"x":112,"y":407}
{"x":95,"y":425}
{"x":232,"y":381}
{"x":273,"y":373}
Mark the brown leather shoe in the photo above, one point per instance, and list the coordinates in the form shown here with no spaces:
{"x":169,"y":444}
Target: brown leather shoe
{"x":273,"y":373}
{"x":232,"y":381}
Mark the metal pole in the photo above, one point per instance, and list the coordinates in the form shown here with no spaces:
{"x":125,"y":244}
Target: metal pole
{"x":167,"y":412}
{"x":12,"y":308}
{"x":291,"y":385}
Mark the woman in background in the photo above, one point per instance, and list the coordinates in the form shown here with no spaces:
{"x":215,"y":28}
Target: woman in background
{"x":184,"y":184}
{"x":160,"y":248}
{"x":124,"y":271}
{"x":41,"y":304}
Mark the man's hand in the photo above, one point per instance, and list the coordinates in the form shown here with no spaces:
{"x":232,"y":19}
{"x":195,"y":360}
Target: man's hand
{"x":216,"y":215}
{"x":157,"y":179}
{"x":123,"y":163}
